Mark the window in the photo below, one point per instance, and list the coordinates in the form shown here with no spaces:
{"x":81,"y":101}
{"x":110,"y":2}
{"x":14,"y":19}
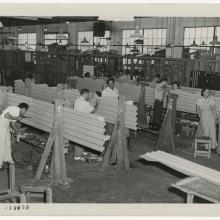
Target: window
{"x":126,"y":40}
{"x":199,"y":34}
{"x":154,"y":38}
{"x":51,"y":38}
{"x":27,"y":41}
{"x":93,"y":41}
{"x":88,"y":35}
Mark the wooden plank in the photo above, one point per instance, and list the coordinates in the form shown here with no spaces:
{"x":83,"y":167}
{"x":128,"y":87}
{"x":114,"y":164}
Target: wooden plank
{"x":46,"y":153}
{"x":184,"y":166}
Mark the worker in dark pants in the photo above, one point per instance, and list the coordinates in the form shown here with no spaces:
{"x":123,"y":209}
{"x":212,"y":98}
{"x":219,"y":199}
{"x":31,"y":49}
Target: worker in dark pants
{"x":159,"y":93}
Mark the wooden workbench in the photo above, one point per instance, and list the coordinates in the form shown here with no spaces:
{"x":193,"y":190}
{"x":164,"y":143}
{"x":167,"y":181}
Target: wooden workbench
{"x":196,"y":186}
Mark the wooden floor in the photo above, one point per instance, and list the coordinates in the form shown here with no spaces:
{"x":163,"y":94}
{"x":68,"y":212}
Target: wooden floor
{"x":146,"y":182}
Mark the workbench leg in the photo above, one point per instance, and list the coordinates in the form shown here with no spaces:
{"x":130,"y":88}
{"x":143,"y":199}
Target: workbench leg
{"x":190,"y":198}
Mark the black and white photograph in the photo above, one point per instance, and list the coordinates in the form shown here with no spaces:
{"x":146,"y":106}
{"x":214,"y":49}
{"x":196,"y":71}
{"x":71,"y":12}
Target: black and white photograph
{"x":109,"y":109}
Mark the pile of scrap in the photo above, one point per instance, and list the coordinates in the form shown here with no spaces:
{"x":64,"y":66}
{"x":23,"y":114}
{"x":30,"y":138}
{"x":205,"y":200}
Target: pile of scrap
{"x":184,"y":166}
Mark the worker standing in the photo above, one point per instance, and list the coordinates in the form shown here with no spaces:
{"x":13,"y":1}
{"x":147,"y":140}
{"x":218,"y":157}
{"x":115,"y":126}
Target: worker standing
{"x":159,"y":93}
{"x":110,"y":90}
{"x":7,"y":119}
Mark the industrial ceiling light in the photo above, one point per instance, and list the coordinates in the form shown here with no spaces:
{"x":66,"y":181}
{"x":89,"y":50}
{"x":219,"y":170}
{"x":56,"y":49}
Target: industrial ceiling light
{"x":203,"y":43}
{"x":67,"y":22}
{"x":215,"y":41}
{"x":61,"y":36}
{"x":134,"y":50}
{"x":194,"y":44}
{"x":45,"y":27}
{"x":215,"y":38}
{"x":139,"y":41}
{"x":84,"y":41}
{"x":19,"y":28}
{"x":136,"y":33}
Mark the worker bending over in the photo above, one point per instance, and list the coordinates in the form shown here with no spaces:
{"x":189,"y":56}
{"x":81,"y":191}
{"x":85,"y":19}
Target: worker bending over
{"x":82,"y":105}
{"x":7,"y":119}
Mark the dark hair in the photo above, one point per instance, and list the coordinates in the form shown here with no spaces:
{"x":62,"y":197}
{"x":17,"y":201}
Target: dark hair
{"x":157,"y":75}
{"x":84,"y":91}
{"x":23,"y":105}
{"x":110,"y":79}
{"x":99,"y":94}
{"x":203,"y":90}
{"x":87,"y":75}
{"x":178,"y":85}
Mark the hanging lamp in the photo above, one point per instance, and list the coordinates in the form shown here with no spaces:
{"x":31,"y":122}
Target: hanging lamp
{"x":215,"y":38}
{"x":61,"y":36}
{"x":19,"y":28}
{"x":134,"y":50}
{"x":136,"y":33}
{"x":194,"y":44}
{"x":84,"y":41}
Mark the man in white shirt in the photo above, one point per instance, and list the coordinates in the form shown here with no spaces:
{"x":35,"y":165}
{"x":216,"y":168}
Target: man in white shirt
{"x":82,"y":105}
{"x":110,"y":90}
{"x":159,"y":92}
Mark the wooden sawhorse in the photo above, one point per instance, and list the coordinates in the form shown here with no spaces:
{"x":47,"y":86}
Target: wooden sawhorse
{"x":196,"y":186}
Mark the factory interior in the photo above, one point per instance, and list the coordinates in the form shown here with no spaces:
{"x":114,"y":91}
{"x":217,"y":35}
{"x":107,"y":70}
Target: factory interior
{"x":99,"y":110}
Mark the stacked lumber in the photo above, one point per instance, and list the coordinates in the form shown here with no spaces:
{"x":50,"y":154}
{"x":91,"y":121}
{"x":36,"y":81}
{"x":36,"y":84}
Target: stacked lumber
{"x":44,"y":92}
{"x":40,"y":114}
{"x":19,"y":86}
{"x":70,"y":96}
{"x":108,"y":108}
{"x":131,"y":92}
{"x":184,"y":166}
{"x":85,"y":129}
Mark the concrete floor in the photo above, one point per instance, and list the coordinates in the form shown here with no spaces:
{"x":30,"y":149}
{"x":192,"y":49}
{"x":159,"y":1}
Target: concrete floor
{"x":145,"y":182}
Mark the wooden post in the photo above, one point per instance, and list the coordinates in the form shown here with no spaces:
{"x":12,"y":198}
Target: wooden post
{"x":116,"y":151}
{"x":12,"y":177}
{"x":28,"y":87}
{"x":56,"y":149}
{"x":141,"y":107}
{"x":59,"y":91}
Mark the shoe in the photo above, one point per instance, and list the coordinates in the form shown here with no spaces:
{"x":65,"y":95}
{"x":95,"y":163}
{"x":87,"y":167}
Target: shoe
{"x":79,"y":158}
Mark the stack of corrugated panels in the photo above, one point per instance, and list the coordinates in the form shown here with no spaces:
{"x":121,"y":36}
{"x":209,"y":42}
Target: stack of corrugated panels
{"x":131,"y":92}
{"x":19,"y":86}
{"x":149,"y":95}
{"x":108,"y":108}
{"x":85,"y":129}
{"x":41,"y":114}
{"x":70,"y":96}
{"x":44,"y":92}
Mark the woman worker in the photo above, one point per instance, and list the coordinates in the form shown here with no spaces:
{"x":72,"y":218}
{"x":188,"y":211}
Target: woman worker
{"x":205,"y":107}
{"x":7,"y":118}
